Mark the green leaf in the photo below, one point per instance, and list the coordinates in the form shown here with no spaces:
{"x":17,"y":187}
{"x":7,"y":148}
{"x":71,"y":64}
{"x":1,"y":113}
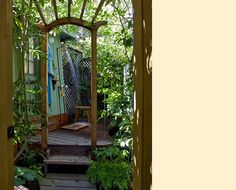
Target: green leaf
{"x":18,"y":181}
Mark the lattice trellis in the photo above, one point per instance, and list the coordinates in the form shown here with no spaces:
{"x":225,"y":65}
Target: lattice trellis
{"x":82,"y":68}
{"x":85,"y":78}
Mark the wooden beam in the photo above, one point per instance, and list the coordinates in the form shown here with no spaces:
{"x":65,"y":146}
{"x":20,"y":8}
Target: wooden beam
{"x":66,"y":20}
{"x":6,"y":49}
{"x":83,"y":8}
{"x":44,"y":98}
{"x":94,"y":90}
{"x":69,"y":7}
{"x":108,"y":1}
{"x":98,"y":10}
{"x":98,"y":24}
{"x":54,"y":4}
{"x":142,"y":130}
{"x":40,"y":11}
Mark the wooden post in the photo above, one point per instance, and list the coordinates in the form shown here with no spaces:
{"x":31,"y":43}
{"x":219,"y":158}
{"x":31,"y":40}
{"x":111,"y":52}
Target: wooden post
{"x":142,"y":177}
{"x":6,"y":49}
{"x":94,"y":90}
{"x":44,"y":98}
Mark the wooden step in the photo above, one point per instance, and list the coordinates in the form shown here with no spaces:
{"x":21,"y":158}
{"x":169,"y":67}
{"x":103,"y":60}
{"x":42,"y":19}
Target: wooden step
{"x":65,"y":181}
{"x":70,"y":150}
{"x":72,"y":160}
{"x":68,"y":160}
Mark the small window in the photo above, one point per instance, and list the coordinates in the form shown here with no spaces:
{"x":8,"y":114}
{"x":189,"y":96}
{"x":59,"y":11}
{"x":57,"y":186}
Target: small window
{"x":29,"y":59}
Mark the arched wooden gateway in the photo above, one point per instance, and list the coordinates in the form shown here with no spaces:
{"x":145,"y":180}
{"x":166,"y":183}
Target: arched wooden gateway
{"x":142,"y":43}
{"x":92,"y":25}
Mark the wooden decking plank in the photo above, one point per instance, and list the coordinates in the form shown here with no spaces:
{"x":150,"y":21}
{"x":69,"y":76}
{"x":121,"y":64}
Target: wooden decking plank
{"x":60,"y":181}
{"x":46,"y":182}
{"x":61,"y":176}
{"x":63,"y":188}
{"x":68,"y":160}
{"x":68,"y":137}
{"x":72,"y":183}
{"x":66,"y":183}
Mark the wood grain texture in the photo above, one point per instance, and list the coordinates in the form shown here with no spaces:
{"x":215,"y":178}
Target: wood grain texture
{"x":142,"y":131}
{"x":94,"y":90}
{"x":61,"y":181}
{"x":6,"y":147}
{"x":66,"y":20}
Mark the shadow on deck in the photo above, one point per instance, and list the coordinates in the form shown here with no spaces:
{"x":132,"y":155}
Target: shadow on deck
{"x":81,"y":137}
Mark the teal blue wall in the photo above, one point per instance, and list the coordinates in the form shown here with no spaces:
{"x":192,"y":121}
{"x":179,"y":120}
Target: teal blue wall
{"x":57,"y":104}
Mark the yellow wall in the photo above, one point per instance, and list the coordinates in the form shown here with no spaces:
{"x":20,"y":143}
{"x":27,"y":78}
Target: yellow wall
{"x":195,"y":88}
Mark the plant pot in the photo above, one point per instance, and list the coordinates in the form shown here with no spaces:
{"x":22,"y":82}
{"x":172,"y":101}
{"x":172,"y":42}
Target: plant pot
{"x":32,"y":185}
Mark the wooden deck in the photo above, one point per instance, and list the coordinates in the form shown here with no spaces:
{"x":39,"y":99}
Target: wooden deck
{"x":62,"y":181}
{"x":81,"y":137}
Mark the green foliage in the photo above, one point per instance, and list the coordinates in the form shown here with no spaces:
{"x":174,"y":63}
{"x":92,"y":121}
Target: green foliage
{"x":112,"y":153}
{"x":31,"y":158}
{"x":112,"y":169}
{"x":24,"y":174}
{"x":116,"y":82}
{"x":23,"y":109}
{"x":26,"y":94}
{"x":29,"y":167}
{"x":110,"y":174}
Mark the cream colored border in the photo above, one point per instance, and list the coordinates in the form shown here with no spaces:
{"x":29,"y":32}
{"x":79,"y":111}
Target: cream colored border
{"x":194,"y":95}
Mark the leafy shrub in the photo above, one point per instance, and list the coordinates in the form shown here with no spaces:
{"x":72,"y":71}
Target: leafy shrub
{"x":112,"y":169}
{"x":110,"y":174}
{"x":24,"y":174}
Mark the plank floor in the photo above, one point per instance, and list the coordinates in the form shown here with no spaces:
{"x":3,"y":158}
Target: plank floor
{"x":68,"y":137}
{"x":62,"y":181}
{"x":68,"y":160}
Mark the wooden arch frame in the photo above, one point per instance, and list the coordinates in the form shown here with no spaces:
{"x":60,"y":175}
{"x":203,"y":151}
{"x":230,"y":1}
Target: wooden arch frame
{"x":143,"y":92}
{"x":71,"y":20}
{"x":45,"y":28}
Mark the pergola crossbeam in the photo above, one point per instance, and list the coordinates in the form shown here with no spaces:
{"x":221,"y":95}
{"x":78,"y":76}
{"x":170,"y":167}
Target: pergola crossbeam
{"x":83,"y":9}
{"x":66,"y":20}
{"x":69,"y":7}
{"x":40,"y":11}
{"x":108,"y":2}
{"x":54,"y":4}
{"x":98,"y":10}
